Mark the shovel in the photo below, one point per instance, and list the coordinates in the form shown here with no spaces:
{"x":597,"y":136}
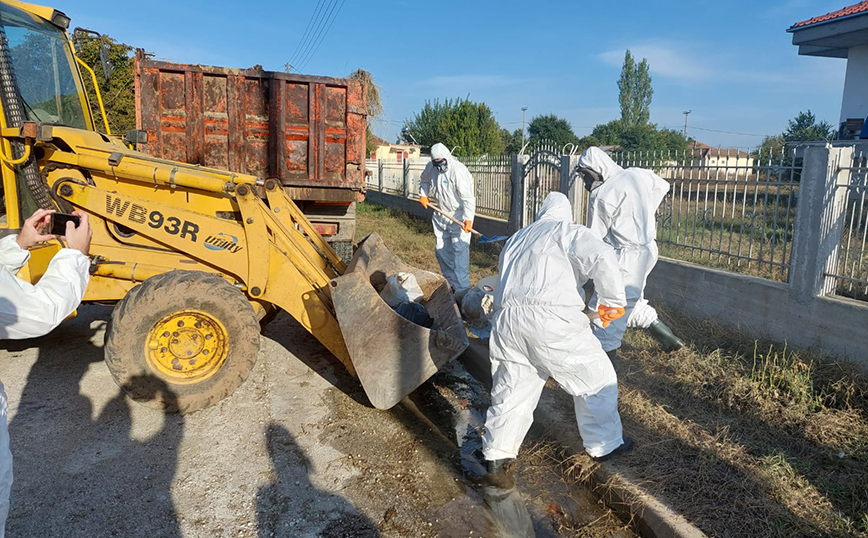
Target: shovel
{"x":482,"y":238}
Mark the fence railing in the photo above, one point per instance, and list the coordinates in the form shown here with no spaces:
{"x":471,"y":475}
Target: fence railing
{"x":491,"y":176}
{"x":730,"y":209}
{"x":850,"y":273}
{"x":727,"y":208}
{"x":493,"y":182}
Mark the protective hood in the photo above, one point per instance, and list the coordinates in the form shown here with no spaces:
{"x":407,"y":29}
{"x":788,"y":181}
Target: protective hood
{"x":439,"y":151}
{"x":600,"y":162}
{"x":556,"y":206}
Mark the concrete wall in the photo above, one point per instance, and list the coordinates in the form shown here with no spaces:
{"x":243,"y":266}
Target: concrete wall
{"x":762,"y":308}
{"x":855,"y":101}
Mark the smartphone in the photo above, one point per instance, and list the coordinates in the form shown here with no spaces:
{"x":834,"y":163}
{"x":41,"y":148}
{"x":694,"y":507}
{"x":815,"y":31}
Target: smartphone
{"x":58,"y":223}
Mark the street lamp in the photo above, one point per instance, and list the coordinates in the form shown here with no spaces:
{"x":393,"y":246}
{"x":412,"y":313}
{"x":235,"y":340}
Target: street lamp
{"x":523,"y":110}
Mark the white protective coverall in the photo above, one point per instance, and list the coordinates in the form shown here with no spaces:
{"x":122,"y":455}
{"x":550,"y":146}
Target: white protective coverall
{"x":621,"y":213}
{"x":453,"y":190}
{"x":28,"y":311}
{"x":540,"y":331}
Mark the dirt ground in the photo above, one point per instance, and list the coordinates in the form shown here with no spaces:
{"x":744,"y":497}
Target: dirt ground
{"x":295,"y":452}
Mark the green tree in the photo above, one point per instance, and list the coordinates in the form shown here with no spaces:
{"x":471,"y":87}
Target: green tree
{"x":587,"y":141}
{"x":775,"y":160}
{"x":644,"y":93}
{"x":644,"y":137}
{"x":627,"y":89}
{"x":461,"y":122}
{"x":634,"y":91}
{"x":118,"y":92}
{"x":551,"y":128}
{"x":805,"y":127}
{"x":609,"y":134}
{"x":511,"y":141}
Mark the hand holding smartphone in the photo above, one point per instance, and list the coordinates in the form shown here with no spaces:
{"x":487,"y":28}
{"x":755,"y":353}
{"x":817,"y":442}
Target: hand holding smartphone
{"x":58,"y":222}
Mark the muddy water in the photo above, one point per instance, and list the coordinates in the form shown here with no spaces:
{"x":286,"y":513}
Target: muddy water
{"x":542,"y":503}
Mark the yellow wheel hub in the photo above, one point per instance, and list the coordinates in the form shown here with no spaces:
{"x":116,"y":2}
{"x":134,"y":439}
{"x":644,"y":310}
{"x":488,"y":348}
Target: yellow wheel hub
{"x":187,"y":347}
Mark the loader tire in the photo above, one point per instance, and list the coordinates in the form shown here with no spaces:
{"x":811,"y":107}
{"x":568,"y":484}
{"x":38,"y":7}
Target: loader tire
{"x":182,"y":341}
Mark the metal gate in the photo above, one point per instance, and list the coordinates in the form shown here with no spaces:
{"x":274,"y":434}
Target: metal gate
{"x":542,"y":175}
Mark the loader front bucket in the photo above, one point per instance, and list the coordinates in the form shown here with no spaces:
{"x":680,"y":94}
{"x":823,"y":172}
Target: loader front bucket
{"x":393,"y":356}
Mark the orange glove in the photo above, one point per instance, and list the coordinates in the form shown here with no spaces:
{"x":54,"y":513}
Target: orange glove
{"x":609,"y":314}
{"x":424,"y":201}
{"x":468,"y":224}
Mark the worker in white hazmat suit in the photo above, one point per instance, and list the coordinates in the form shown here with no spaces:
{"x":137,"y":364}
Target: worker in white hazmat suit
{"x":540,"y":331}
{"x":28,"y":311}
{"x":449,"y":181}
{"x":621,"y":212}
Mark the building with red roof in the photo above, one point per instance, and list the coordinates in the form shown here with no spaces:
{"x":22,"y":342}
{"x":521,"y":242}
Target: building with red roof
{"x":841,"y":34}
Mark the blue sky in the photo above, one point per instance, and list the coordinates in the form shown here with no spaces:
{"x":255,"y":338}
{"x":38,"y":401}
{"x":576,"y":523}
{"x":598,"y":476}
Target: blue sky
{"x":730,"y":62}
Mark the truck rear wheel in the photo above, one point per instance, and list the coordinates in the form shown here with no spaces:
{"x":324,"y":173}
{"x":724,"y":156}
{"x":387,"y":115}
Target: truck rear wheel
{"x":182,"y":341}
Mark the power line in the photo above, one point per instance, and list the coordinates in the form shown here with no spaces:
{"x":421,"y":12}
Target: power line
{"x":324,"y":34}
{"x":306,"y":31}
{"x":317,"y":27}
{"x":727,"y":132}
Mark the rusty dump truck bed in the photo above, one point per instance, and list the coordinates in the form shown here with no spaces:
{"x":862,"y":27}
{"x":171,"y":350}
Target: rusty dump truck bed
{"x":307,"y":131}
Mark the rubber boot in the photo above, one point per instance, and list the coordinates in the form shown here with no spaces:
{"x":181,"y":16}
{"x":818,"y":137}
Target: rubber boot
{"x":664,"y":335}
{"x":625,"y":447}
{"x":499,"y":474}
{"x":613,"y":355}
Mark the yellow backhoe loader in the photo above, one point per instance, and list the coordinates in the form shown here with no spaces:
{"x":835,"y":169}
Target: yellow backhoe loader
{"x":193,"y":257}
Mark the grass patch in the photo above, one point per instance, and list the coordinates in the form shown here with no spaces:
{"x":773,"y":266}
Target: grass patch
{"x":743,"y":437}
{"x":747,"y":438}
{"x":412,"y":239}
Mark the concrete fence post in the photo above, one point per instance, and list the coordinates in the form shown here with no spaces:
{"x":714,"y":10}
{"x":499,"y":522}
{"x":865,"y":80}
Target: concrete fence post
{"x":819,"y":224}
{"x":380,"y":174}
{"x":573,"y":188}
{"x":517,"y":194}
{"x":406,"y":164}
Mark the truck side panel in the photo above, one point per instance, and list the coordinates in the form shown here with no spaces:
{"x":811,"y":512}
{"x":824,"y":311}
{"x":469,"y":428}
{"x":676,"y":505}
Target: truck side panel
{"x":309,"y":132}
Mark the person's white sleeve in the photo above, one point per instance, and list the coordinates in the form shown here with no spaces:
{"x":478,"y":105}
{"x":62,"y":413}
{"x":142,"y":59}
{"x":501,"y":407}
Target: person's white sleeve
{"x":599,"y":219}
{"x":466,"y":197}
{"x":597,"y":260}
{"x":425,"y":180}
{"x":12,"y":257}
{"x":28,"y":311}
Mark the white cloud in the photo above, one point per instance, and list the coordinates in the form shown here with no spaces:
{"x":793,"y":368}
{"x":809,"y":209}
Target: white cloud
{"x":665,"y":60}
{"x":690,"y":64}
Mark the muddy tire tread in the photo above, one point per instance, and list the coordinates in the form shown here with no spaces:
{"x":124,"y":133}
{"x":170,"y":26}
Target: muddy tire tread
{"x":124,"y":333}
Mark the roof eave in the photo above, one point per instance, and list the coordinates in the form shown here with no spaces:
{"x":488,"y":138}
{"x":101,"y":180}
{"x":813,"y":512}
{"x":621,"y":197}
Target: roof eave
{"x":795,"y":28}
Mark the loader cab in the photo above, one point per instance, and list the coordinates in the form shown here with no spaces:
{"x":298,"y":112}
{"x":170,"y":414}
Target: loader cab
{"x":39,"y":82}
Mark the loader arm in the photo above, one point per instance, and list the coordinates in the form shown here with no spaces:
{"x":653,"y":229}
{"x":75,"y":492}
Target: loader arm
{"x":272,"y":261}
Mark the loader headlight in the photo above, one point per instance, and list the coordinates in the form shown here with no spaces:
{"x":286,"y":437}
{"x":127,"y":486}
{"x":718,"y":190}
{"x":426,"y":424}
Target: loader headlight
{"x":59,"y":19}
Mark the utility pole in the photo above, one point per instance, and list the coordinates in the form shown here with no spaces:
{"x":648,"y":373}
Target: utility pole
{"x":686,"y":113}
{"x":523,"y":110}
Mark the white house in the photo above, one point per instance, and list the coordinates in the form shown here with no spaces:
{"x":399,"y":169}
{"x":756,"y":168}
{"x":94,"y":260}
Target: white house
{"x":842,"y":34}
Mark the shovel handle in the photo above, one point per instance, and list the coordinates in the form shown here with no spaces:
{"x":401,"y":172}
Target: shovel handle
{"x":453,"y":219}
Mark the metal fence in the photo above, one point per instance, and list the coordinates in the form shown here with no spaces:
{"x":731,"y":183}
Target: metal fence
{"x":493,"y":182}
{"x":727,"y":208}
{"x":491,"y":175}
{"x":851,"y":270}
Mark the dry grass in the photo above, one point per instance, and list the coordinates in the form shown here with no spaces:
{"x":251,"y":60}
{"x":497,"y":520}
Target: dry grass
{"x":747,"y":438}
{"x":412,"y":240}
